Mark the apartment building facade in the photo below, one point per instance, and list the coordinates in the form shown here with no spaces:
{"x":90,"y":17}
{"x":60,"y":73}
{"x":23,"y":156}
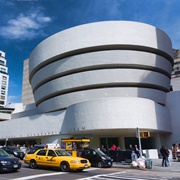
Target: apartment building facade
{"x":4,"y":80}
{"x":175,"y":78}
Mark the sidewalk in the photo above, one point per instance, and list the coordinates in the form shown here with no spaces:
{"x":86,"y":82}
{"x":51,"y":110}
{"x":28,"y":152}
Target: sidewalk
{"x":156,"y":166}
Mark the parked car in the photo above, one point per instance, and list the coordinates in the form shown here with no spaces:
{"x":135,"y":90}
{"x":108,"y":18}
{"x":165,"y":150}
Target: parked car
{"x":8,"y":162}
{"x":97,"y":158}
{"x":58,"y":158}
{"x":14,"y":151}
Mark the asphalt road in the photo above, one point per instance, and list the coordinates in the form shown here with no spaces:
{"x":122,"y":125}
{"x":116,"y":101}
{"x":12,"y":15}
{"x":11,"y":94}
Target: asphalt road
{"x":114,"y":173}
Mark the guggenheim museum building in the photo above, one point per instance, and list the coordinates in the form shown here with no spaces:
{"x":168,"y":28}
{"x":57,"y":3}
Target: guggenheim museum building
{"x":100,"y":80}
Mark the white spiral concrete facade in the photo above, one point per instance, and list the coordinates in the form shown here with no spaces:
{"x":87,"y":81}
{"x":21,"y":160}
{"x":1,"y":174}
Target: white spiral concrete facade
{"x":98,"y":60}
{"x":104,"y":73}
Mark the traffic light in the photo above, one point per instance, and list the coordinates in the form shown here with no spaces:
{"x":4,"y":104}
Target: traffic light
{"x":145,"y":134}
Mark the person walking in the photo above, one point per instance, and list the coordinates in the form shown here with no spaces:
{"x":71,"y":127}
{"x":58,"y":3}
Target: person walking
{"x":164,"y":153}
{"x":168,"y":158}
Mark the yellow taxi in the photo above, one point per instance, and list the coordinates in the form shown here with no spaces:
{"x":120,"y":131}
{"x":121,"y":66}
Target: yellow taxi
{"x":56,"y":158}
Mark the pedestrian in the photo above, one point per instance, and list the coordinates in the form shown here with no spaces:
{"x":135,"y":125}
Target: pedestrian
{"x":133,"y":154}
{"x":113,"y":152}
{"x":103,"y":149}
{"x":177,"y":152}
{"x":168,"y":159}
{"x":113,"y":147}
{"x":118,"y":148}
{"x":131,"y":148}
{"x":174,"y":152}
{"x":28,"y":148}
{"x":137,"y":151}
{"x":164,"y":153}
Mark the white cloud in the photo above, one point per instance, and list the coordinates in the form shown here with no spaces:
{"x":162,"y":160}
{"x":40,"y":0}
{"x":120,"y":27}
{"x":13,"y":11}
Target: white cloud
{"x":44,"y":19}
{"x":24,"y":27}
{"x":23,"y":22}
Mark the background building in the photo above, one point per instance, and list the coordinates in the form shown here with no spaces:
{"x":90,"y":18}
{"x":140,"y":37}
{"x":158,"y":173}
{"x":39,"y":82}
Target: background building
{"x":27,"y":95}
{"x":175,"y":79}
{"x":4,"y":79}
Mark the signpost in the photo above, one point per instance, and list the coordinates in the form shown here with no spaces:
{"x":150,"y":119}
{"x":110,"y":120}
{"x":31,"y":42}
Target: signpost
{"x":139,"y":139}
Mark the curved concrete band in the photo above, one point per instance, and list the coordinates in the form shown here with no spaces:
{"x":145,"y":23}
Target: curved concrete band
{"x":95,"y":115}
{"x":67,"y":100}
{"x":100,"y":60}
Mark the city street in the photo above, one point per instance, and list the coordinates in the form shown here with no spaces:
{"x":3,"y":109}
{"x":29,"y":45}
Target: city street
{"x":26,"y":173}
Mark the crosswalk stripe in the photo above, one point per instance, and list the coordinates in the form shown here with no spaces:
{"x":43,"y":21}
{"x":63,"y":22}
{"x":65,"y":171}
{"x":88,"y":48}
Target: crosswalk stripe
{"x":39,"y":175}
{"x":118,"y":175}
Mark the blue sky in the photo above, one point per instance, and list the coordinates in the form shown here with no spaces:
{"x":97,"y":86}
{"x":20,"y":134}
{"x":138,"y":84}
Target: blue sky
{"x":25,"y":23}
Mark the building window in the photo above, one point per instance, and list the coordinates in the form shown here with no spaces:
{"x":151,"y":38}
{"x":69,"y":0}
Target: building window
{"x":2,"y":62}
{"x":2,"y":102}
{"x":3,"y":92}
{"x":4,"y":82}
{"x":3,"y":69}
{"x":4,"y":77}
{"x":2,"y":97}
{"x":3,"y":87}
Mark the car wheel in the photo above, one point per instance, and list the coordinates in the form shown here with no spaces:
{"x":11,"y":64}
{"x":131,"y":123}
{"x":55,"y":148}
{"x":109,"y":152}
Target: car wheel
{"x":64,"y":167}
{"x":33,"y":164}
{"x":99,"y":164}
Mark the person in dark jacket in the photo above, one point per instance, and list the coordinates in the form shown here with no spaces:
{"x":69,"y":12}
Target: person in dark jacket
{"x":165,"y":155}
{"x":131,"y":148}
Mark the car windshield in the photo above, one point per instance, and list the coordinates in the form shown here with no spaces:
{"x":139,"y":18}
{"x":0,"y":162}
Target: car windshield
{"x":61,"y":152}
{"x":14,"y":149}
{"x":100,"y":153}
{"x":3,"y":153}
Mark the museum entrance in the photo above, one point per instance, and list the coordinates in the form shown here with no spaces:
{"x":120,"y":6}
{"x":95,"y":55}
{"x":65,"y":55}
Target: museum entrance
{"x":109,"y":141}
